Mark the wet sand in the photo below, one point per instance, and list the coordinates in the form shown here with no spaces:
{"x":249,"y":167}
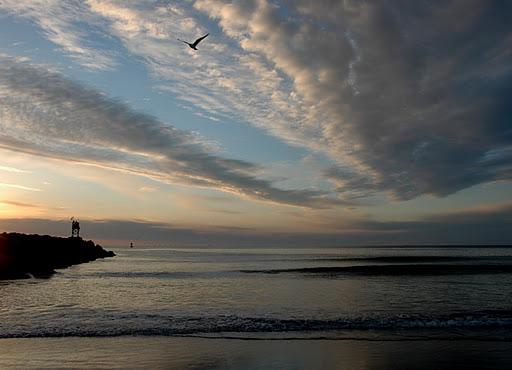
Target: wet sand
{"x":206,"y":353}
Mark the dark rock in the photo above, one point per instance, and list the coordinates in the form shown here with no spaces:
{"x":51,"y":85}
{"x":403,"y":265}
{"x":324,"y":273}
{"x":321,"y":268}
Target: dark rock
{"x":22,"y":255}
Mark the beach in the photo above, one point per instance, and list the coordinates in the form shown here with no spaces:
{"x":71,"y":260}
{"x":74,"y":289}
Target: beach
{"x":200,"y":353}
{"x":217,"y":308}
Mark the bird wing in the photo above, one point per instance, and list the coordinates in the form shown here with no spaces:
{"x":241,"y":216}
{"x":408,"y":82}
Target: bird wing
{"x":183,"y":41}
{"x":199,"y":40}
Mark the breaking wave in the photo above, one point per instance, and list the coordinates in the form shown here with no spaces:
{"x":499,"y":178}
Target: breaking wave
{"x":395,"y":269}
{"x":121,"y":324}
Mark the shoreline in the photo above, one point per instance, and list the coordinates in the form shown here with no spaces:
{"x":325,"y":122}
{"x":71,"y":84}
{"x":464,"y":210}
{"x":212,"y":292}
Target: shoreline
{"x":217,"y":353}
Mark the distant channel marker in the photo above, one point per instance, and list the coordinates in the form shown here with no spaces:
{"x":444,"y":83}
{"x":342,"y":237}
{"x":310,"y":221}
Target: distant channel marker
{"x":23,"y":256}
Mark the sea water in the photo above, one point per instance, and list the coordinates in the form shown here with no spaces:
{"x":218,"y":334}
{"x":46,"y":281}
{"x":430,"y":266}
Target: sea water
{"x":333,"y":294}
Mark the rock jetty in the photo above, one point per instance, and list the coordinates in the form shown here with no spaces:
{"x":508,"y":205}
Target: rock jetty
{"x":24,"y":256}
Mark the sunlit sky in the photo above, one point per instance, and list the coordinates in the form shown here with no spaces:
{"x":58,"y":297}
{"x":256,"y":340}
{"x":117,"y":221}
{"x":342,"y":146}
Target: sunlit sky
{"x":295,"y":123}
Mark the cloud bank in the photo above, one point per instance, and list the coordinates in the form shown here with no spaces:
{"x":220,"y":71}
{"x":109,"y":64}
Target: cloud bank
{"x":471,"y":227}
{"x":45,"y":114}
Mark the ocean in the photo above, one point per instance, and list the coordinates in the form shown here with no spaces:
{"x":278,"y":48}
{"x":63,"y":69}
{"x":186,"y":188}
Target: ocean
{"x":357,"y":307}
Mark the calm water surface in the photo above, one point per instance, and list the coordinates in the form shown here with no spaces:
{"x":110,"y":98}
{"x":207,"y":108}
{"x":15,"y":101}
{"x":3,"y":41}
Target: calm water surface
{"x":376,"y":294}
{"x":283,"y":292}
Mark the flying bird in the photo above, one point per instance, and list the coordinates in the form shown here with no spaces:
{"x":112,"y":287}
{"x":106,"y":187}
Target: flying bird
{"x":194,"y":44}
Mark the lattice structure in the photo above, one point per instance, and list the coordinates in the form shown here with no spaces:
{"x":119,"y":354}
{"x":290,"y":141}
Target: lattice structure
{"x":75,"y":228}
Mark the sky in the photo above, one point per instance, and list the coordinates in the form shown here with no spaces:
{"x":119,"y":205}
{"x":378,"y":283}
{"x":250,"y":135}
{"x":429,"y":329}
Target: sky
{"x":296,"y":123}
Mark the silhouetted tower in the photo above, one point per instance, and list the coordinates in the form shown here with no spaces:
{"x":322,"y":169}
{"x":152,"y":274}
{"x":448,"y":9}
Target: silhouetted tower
{"x":75,"y":228}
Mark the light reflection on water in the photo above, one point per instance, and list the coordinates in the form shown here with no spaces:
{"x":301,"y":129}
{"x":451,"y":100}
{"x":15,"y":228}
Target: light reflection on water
{"x":195,"y":353}
{"x":143,"y":290}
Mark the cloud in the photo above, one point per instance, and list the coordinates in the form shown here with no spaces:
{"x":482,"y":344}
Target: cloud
{"x":481,"y":225}
{"x":18,"y":204}
{"x":228,"y":83}
{"x":404,"y":98}
{"x":147,"y":189}
{"x":12,"y":169}
{"x":62,"y":23}
{"x":42,"y":113}
{"x":17,"y":186}
{"x":470,"y":227}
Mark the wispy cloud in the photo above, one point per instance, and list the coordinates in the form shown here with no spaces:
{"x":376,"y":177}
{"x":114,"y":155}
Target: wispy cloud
{"x":16,"y":186}
{"x":45,"y":114}
{"x":62,"y":23}
{"x":147,"y":189}
{"x":18,"y":204}
{"x":12,"y":169}
{"x":228,"y":81}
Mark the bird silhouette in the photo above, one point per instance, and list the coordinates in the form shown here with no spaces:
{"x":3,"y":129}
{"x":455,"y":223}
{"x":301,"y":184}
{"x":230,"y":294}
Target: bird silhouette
{"x":194,"y":44}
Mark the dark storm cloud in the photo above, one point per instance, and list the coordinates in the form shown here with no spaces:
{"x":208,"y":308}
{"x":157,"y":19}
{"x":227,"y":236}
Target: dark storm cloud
{"x":45,"y":114}
{"x":410,"y":97}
